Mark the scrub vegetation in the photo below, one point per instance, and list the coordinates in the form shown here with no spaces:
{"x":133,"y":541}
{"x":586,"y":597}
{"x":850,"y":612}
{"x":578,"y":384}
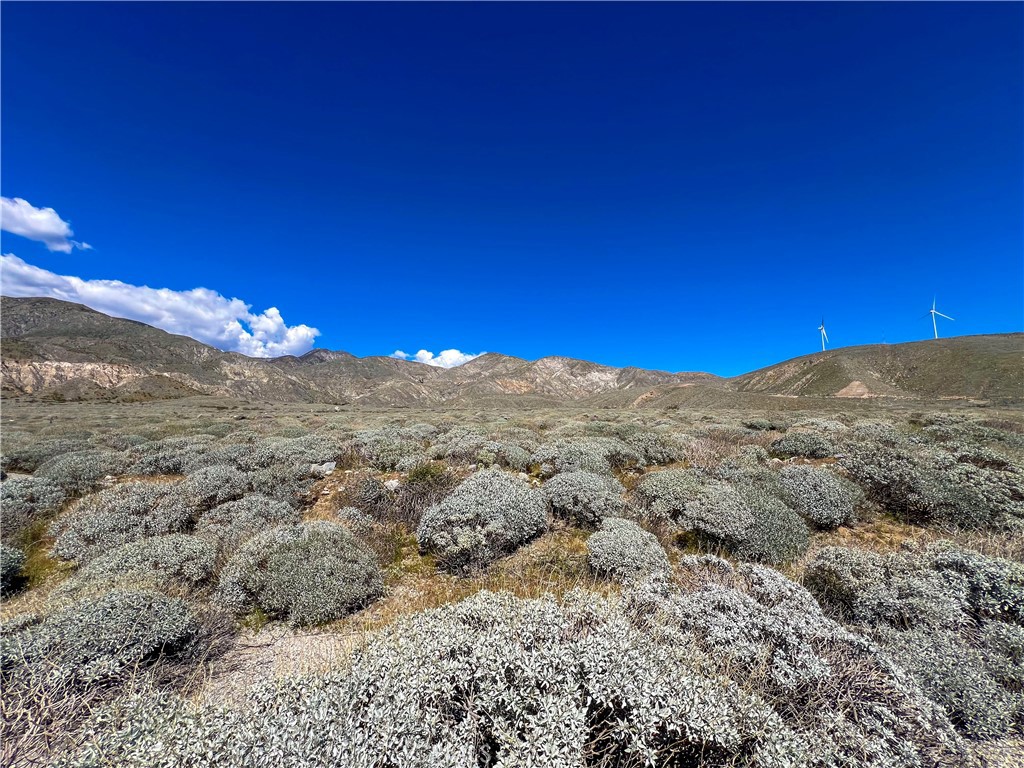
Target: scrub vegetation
{"x":220,"y":583}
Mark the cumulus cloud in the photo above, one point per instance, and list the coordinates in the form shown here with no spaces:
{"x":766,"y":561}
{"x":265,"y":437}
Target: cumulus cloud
{"x":20,"y":217}
{"x":203,"y":314}
{"x":448,"y":358}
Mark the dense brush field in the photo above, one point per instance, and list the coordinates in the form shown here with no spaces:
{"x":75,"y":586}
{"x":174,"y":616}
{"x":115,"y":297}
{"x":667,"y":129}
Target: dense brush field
{"x":224,"y":585}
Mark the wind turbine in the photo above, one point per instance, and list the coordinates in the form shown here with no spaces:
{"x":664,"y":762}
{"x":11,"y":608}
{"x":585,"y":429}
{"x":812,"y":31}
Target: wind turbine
{"x":824,"y":336}
{"x":933,"y":312}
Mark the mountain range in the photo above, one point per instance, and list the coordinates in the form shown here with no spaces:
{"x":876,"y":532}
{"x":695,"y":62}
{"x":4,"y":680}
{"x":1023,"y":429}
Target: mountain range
{"x":65,"y":351}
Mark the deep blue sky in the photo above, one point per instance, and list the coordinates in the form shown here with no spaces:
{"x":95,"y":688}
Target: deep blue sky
{"x":674,"y":186}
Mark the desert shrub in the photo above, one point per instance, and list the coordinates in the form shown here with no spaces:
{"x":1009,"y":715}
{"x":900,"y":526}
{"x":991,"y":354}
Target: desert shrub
{"x":308,"y":573}
{"x":504,"y":454}
{"x":171,"y":456}
{"x":497,"y":681}
{"x":427,"y":484}
{"x":26,"y":501}
{"x":410,"y":462}
{"x":355,"y":520}
{"x":820,"y":496}
{"x":289,"y":483}
{"x":93,"y":641}
{"x":375,"y":498}
{"x":384,"y":448}
{"x":938,"y":613}
{"x":232,"y":523}
{"x":1002,"y":646}
{"x":158,"y":563}
{"x":931,"y":485}
{"x":458,"y":444}
{"x":118,"y":441}
{"x":11,"y":562}
{"x":991,"y":588}
{"x":207,"y":487}
{"x":655,"y":448}
{"x":590,"y":454}
{"x":664,"y":495}
{"x":809,"y":445}
{"x":869,"y":589}
{"x":488,"y":515}
{"x":954,"y":674}
{"x":31,"y":453}
{"x":712,"y":511}
{"x":300,"y":452}
{"x":763,"y":425}
{"x":767,"y":634}
{"x":705,"y":453}
{"x":776,"y":534}
{"x":116,"y":516}
{"x":584,"y":497}
{"x":623,"y":550}
{"x":81,"y":471}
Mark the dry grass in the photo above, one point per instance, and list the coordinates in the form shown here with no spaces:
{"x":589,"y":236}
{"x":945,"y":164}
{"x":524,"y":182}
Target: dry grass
{"x":555,"y":563}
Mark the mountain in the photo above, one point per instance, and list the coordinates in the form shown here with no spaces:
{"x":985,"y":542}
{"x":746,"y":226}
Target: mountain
{"x":67,"y":351}
{"x":990,"y":367}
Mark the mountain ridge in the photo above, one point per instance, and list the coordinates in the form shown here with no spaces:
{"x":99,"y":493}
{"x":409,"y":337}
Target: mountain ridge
{"x":69,"y":351}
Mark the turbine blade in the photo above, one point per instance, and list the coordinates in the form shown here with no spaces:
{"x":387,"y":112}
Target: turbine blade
{"x":945,"y":316}
{"x":824,"y":334}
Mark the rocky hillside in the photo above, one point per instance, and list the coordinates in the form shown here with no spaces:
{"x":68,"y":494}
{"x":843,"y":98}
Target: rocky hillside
{"x":69,"y":352}
{"x":72,"y":352}
{"x":990,"y":367}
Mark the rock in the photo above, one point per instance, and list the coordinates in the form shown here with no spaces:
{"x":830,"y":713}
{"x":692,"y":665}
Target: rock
{"x":322,"y":470}
{"x":392,"y":485}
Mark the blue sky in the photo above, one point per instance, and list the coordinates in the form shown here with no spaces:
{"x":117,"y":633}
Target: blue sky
{"x":673,"y":186}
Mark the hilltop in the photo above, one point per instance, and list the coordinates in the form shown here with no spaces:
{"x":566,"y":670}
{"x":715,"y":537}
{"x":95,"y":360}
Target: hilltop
{"x":66,"y":351}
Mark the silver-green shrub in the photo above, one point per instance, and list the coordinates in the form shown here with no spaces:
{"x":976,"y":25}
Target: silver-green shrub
{"x":384,"y":448}
{"x":954,"y":674}
{"x":714,"y":512}
{"x":308,"y":573}
{"x":171,"y":456}
{"x":933,"y":485}
{"x":98,"y":639}
{"x":500,"y":681}
{"x":488,"y":515}
{"x":158,"y":563}
{"x":31,"y":453}
{"x":777,"y":533}
{"x":493,"y":680}
{"x":829,"y":684}
{"x":820,"y":496}
{"x":207,"y":487}
{"x":234,"y":522}
{"x":116,"y":516}
{"x":26,"y":501}
{"x":656,"y":448}
{"x":809,"y":445}
{"x":590,"y":454}
{"x":11,"y":562}
{"x":81,"y":471}
{"x":584,"y":497}
{"x":952,"y":618}
{"x":624,"y":551}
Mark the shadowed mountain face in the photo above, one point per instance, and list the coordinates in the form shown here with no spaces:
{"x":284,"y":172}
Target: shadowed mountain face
{"x":72,"y":352}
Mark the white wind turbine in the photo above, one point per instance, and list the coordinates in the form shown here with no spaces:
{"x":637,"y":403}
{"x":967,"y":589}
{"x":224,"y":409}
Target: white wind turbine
{"x":933,"y":312}
{"x":824,"y":336}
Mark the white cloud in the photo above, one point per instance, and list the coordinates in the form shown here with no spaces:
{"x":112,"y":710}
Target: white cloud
{"x":200,"y":313}
{"x":448,"y":358}
{"x":20,"y":217}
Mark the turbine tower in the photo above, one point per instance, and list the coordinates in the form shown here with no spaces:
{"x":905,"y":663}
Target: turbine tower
{"x":824,"y":336}
{"x":933,"y":312}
